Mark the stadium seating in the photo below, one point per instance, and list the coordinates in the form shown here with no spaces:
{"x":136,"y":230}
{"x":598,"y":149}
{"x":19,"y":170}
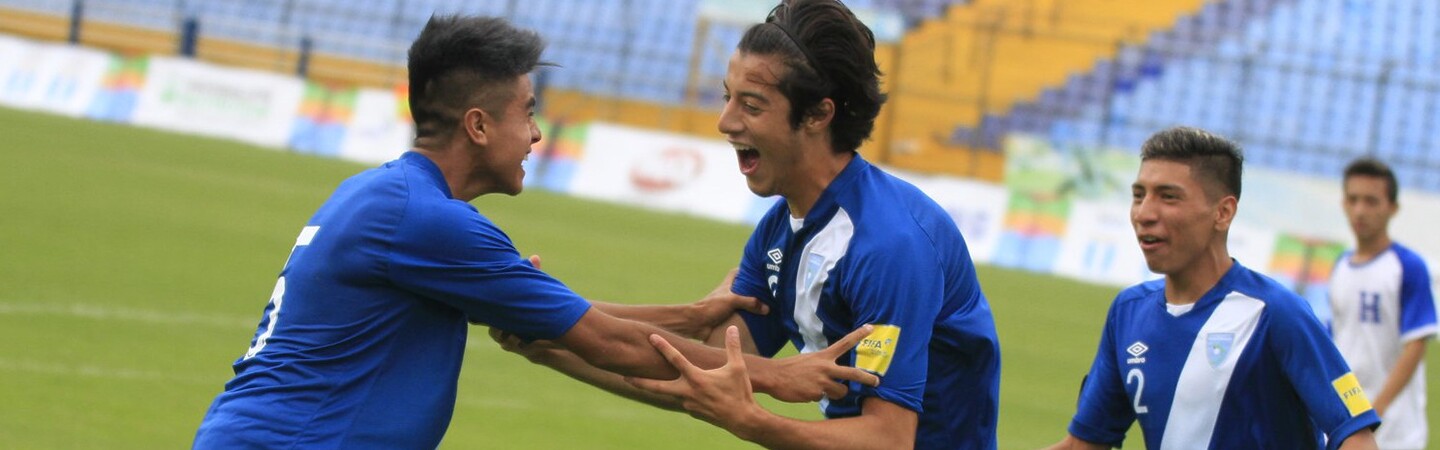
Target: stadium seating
{"x":1304,"y":85}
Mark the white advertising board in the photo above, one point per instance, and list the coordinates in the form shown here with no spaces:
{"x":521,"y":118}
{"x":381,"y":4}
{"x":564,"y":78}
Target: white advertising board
{"x":57,"y":78}
{"x":662,"y":171}
{"x":245,"y":105}
{"x":376,"y":132}
{"x":1099,"y":245}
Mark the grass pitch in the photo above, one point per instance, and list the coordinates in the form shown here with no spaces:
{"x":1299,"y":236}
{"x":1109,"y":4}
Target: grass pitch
{"x":134,"y":266}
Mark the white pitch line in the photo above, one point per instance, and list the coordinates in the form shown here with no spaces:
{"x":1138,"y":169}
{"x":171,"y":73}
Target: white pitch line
{"x":90,"y":371}
{"x":113,"y":313}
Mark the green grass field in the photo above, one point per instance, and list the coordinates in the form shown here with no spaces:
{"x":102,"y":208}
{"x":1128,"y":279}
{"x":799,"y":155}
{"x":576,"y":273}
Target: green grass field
{"x":134,"y":266}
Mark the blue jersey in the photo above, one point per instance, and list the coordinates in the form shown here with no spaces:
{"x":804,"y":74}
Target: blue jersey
{"x":876,"y":250}
{"x":361,"y":344}
{"x":1248,"y":366}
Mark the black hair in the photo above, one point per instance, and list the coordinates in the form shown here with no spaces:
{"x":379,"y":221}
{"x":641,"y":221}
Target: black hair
{"x":829,"y":54}
{"x":462,"y":62}
{"x":1370,"y":167}
{"x":1215,"y":161}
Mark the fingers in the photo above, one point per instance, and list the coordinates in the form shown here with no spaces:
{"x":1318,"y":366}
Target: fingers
{"x":835,"y":390}
{"x":849,"y":341}
{"x":673,"y":356}
{"x":856,"y":375}
{"x":734,"y":354}
{"x":535,"y":261}
{"x":753,"y":305}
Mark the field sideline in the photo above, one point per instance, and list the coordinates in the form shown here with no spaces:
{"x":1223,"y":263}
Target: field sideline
{"x":134,"y":265}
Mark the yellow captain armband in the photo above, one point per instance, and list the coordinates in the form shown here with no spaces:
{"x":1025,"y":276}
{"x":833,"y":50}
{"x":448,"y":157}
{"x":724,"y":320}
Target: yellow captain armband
{"x":1348,"y":388}
{"x":876,"y":350}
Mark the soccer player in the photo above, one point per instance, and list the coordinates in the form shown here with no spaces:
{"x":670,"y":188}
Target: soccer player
{"x":1214,"y":355}
{"x":847,"y":245}
{"x":1383,"y":308}
{"x":362,"y":341}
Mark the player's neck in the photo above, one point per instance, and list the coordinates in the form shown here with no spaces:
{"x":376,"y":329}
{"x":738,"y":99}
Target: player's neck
{"x":1186,"y":287}
{"x":812,"y":180}
{"x":1368,"y":249}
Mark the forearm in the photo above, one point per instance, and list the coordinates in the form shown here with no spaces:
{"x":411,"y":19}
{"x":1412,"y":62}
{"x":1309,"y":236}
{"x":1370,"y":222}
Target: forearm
{"x":891,"y":429}
{"x":623,"y":347}
{"x":573,"y":366}
{"x":678,"y":319}
{"x":1400,"y":374}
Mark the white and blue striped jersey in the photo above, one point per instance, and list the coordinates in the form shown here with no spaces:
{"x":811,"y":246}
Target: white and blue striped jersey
{"x":1378,"y":307}
{"x":876,"y":250}
{"x":361,"y":344}
{"x":1248,"y":366}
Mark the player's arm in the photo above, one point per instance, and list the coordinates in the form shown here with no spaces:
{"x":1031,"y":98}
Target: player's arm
{"x":697,"y":320}
{"x":1400,"y":374}
{"x":1073,"y":443}
{"x":625,"y":347}
{"x":723,"y":397}
{"x":1361,"y":440}
{"x":547,"y":353}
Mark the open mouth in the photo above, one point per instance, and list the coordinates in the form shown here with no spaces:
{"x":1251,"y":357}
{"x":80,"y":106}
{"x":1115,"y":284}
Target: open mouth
{"x":749,"y":159}
{"x":1148,"y":242}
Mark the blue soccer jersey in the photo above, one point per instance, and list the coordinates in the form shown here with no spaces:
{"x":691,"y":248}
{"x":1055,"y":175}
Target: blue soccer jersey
{"x":1248,"y":366}
{"x":361,"y":343}
{"x":876,"y":250}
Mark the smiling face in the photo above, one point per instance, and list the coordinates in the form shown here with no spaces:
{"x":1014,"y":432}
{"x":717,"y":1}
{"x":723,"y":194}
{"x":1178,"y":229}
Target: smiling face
{"x":508,"y":132}
{"x":1368,"y":207}
{"x":1177,"y":224}
{"x":756,"y":122}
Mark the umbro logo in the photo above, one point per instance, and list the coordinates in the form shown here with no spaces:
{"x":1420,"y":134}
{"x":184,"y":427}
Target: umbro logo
{"x":775,"y":255}
{"x":1136,"y":350}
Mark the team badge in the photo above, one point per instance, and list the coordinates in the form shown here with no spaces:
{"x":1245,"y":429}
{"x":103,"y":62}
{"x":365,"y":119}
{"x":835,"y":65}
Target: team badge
{"x":814,"y":264}
{"x":1217,"y":347}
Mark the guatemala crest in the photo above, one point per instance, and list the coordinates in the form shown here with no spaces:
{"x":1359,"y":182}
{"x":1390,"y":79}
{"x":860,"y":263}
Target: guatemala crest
{"x":1217,"y":347}
{"x":814,"y":264}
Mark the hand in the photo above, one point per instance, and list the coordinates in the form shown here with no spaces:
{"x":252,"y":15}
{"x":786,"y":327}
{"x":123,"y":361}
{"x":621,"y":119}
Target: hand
{"x":721,"y":396}
{"x":535,"y":261}
{"x":535,"y":351}
{"x":809,"y":377}
{"x":718,"y":307}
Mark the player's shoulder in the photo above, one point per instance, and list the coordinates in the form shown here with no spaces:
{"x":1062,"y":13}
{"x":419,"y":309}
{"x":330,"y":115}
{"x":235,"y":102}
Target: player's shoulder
{"x":1279,"y":300}
{"x":1409,"y":259}
{"x":1140,"y":291}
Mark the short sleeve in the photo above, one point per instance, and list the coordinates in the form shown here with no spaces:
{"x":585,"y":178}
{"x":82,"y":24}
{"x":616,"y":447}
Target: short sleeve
{"x":1103,"y":413}
{"x":1319,"y":374}
{"x":900,"y":290}
{"x":767,"y":331}
{"x":1417,"y":301}
{"x":452,"y":254}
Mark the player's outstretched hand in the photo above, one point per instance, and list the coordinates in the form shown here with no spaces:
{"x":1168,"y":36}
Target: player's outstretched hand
{"x":718,"y":307}
{"x":809,"y":377}
{"x":720,"y":396}
{"x":535,"y":351}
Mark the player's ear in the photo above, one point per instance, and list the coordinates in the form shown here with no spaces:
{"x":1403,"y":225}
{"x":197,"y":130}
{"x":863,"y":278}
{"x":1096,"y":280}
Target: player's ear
{"x":820,"y":115}
{"x":473,"y":125}
{"x":1225,"y":212}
